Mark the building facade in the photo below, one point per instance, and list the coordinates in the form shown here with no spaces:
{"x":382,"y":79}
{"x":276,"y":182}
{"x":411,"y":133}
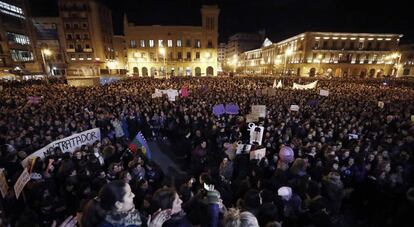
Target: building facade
{"x":407,"y":60}
{"x":16,"y":41}
{"x":325,"y":53}
{"x":50,"y":37}
{"x":174,"y":50}
{"x":87,"y":26}
{"x":221,"y":55}
{"x":119,"y":66}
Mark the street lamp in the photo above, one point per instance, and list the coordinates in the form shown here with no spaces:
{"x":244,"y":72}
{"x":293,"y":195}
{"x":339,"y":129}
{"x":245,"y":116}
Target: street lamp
{"x":162,"y":51}
{"x":45,"y":52}
{"x":288,"y":52}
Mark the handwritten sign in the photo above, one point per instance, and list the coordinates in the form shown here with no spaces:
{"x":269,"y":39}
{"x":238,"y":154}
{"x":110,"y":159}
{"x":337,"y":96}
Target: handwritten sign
{"x":21,"y":182}
{"x":4,"y":187}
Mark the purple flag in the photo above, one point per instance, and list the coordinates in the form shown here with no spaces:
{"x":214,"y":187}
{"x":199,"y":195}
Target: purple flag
{"x":218,"y":110}
{"x":232,"y":108}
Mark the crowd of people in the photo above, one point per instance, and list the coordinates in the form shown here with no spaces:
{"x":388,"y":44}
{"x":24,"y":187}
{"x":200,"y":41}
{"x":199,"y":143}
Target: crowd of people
{"x":352,"y":161}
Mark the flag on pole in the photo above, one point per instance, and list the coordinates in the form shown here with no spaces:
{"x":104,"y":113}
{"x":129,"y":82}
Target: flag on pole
{"x":139,"y":141}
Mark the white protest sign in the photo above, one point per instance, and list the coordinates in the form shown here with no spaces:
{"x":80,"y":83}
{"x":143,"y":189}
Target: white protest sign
{"x":4,"y":187}
{"x":241,"y":148}
{"x":294,"y":108}
{"x":279,"y":84}
{"x":256,"y":133}
{"x":324,"y":92}
{"x":381,"y":104}
{"x":258,"y":154}
{"x":21,"y":182}
{"x":68,"y":144}
{"x":259,"y":110}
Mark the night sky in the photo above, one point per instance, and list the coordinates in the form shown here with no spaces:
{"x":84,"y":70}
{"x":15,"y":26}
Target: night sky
{"x":280,"y":18}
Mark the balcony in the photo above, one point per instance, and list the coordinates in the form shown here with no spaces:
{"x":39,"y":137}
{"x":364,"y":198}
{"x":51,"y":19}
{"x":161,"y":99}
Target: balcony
{"x":70,"y":50}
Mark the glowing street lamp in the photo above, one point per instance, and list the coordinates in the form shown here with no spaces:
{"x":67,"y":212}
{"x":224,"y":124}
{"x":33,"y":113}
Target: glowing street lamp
{"x":45,"y":52}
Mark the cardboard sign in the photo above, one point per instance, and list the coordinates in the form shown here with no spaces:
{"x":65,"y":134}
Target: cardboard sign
{"x":4,"y":187}
{"x":259,"y":110}
{"x":21,"y":182}
{"x":381,"y":104}
{"x":294,"y":108}
{"x":323,"y":92}
{"x":252,"y":118}
{"x":258,"y":154}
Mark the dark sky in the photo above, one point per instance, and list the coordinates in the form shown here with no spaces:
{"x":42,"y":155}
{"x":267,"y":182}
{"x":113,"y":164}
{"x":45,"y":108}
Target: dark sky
{"x":280,"y":18}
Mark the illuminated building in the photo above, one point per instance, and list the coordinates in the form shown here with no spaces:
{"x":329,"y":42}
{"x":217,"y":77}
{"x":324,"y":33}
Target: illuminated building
{"x":16,"y":44}
{"x":325,"y":54}
{"x":87,"y":27}
{"x":50,"y":36}
{"x":407,"y":60}
{"x":173,"y":50}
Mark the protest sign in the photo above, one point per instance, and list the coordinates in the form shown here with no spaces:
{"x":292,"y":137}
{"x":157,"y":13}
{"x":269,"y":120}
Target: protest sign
{"x":294,"y":108}
{"x":33,"y":99}
{"x":184,"y":92}
{"x":4,"y":187}
{"x":279,"y":85}
{"x":232,"y":108}
{"x":252,"y":118}
{"x":323,"y":92}
{"x":259,"y":110}
{"x":256,"y":133}
{"x":305,"y":87}
{"x":218,"y":110}
{"x":274,"y":84}
{"x":258,"y":154}
{"x":243,"y":148}
{"x":381,"y":104}
{"x":21,"y":182}
{"x":68,"y":144}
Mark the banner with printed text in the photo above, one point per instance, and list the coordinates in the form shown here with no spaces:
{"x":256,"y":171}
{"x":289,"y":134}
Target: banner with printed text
{"x":68,"y":144}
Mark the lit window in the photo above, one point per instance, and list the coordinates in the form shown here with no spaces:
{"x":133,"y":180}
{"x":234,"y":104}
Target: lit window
{"x":179,"y":43}
{"x":169,"y":43}
{"x":142,"y":43}
{"x":160,"y":43}
{"x":133,"y":44}
{"x":151,"y":43}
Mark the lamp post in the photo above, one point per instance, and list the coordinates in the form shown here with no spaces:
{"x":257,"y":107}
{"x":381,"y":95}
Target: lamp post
{"x":288,"y":52}
{"x":45,"y":52}
{"x":162,"y":51}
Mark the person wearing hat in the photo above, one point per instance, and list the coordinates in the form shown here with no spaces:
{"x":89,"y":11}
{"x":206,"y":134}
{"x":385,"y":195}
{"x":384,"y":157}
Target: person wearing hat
{"x":291,"y":202}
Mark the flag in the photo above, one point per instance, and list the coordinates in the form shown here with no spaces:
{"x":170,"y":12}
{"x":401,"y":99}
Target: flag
{"x":139,"y":141}
{"x":184,"y":92}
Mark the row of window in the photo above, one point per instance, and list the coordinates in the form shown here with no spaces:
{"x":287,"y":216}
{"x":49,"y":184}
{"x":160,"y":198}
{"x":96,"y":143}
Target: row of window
{"x":18,"y":38}
{"x":88,"y":57}
{"x":77,"y":36}
{"x":76,"y":25}
{"x":179,"y":55}
{"x":21,"y":55}
{"x":170,"y":43}
{"x":11,"y":8}
{"x":79,"y":47}
{"x":352,"y":45}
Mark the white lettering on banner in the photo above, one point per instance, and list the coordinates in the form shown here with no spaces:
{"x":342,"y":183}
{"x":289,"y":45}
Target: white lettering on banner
{"x":21,"y":182}
{"x":259,"y":110}
{"x":304,"y":87}
{"x":68,"y":144}
{"x":4,"y":187}
{"x":258,"y":154}
{"x":324,"y":92}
